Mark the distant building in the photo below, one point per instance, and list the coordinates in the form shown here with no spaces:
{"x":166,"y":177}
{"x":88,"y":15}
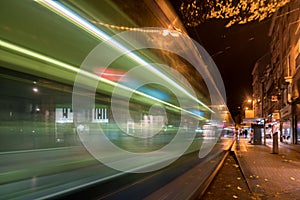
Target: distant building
{"x":258,"y":84}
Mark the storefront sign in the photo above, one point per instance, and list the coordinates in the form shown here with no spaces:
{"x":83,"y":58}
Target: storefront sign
{"x":286,"y":111}
{"x":276,"y":115}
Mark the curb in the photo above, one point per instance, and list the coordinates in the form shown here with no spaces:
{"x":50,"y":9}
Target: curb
{"x":245,"y":170}
{"x":209,"y":180}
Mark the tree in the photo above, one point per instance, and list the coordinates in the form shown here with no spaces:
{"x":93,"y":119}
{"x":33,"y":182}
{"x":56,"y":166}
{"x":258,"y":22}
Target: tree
{"x":195,"y":12}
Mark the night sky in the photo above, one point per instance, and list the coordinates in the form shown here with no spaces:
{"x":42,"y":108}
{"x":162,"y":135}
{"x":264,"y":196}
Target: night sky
{"x":235,"y":51}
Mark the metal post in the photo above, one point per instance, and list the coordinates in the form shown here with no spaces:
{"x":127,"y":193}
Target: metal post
{"x":275,"y":143}
{"x":265,"y":139}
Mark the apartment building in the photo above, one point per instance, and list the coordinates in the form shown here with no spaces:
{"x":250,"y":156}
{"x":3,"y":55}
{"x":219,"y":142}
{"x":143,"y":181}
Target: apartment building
{"x":276,"y":76}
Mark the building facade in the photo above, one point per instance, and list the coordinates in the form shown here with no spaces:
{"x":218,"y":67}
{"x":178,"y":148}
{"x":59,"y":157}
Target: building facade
{"x":276,"y":78}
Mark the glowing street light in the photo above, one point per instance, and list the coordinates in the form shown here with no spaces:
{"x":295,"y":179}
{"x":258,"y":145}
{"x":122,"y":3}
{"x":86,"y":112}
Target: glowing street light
{"x":35,"y":89}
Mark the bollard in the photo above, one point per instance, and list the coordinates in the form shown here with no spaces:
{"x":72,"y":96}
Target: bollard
{"x":275,"y":143}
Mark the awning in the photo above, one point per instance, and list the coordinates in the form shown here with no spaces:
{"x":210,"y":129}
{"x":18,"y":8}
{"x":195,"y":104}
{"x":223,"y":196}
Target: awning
{"x":253,"y":120}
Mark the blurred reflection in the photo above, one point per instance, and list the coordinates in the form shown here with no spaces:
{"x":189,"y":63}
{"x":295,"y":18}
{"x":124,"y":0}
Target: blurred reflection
{"x":41,"y":50}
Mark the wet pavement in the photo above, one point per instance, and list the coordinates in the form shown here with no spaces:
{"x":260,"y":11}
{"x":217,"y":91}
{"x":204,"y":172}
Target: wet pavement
{"x":254,"y":172}
{"x":229,"y":183}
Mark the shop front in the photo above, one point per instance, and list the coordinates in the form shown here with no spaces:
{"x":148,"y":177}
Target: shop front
{"x":286,"y":124}
{"x":296,"y":135}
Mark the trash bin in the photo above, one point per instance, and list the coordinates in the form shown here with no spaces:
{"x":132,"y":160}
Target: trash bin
{"x":257,"y":132}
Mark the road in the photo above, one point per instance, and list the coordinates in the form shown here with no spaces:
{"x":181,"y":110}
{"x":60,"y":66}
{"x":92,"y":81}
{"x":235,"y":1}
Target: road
{"x":51,"y":172}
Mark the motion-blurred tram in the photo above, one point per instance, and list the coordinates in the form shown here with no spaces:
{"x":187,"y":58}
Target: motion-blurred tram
{"x":89,"y":96}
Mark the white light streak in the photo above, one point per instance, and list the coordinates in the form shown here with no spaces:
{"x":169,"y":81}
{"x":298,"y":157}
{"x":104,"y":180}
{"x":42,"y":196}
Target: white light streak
{"x":93,"y":30}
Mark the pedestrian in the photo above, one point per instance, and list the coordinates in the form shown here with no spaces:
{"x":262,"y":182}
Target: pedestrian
{"x":245,"y":133}
{"x":251,"y":137}
{"x":236,"y":133}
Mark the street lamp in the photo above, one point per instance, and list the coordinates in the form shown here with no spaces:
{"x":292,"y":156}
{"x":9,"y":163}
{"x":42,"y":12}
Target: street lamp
{"x":248,"y":108}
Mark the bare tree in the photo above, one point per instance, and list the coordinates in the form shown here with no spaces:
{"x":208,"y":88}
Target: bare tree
{"x":195,"y":12}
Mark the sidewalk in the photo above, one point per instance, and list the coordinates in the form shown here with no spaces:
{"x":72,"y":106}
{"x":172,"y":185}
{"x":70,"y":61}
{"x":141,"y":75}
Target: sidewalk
{"x":270,"y":176}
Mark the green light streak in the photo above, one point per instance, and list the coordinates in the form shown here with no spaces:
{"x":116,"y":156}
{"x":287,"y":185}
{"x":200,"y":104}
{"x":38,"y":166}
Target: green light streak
{"x":74,"y":69}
